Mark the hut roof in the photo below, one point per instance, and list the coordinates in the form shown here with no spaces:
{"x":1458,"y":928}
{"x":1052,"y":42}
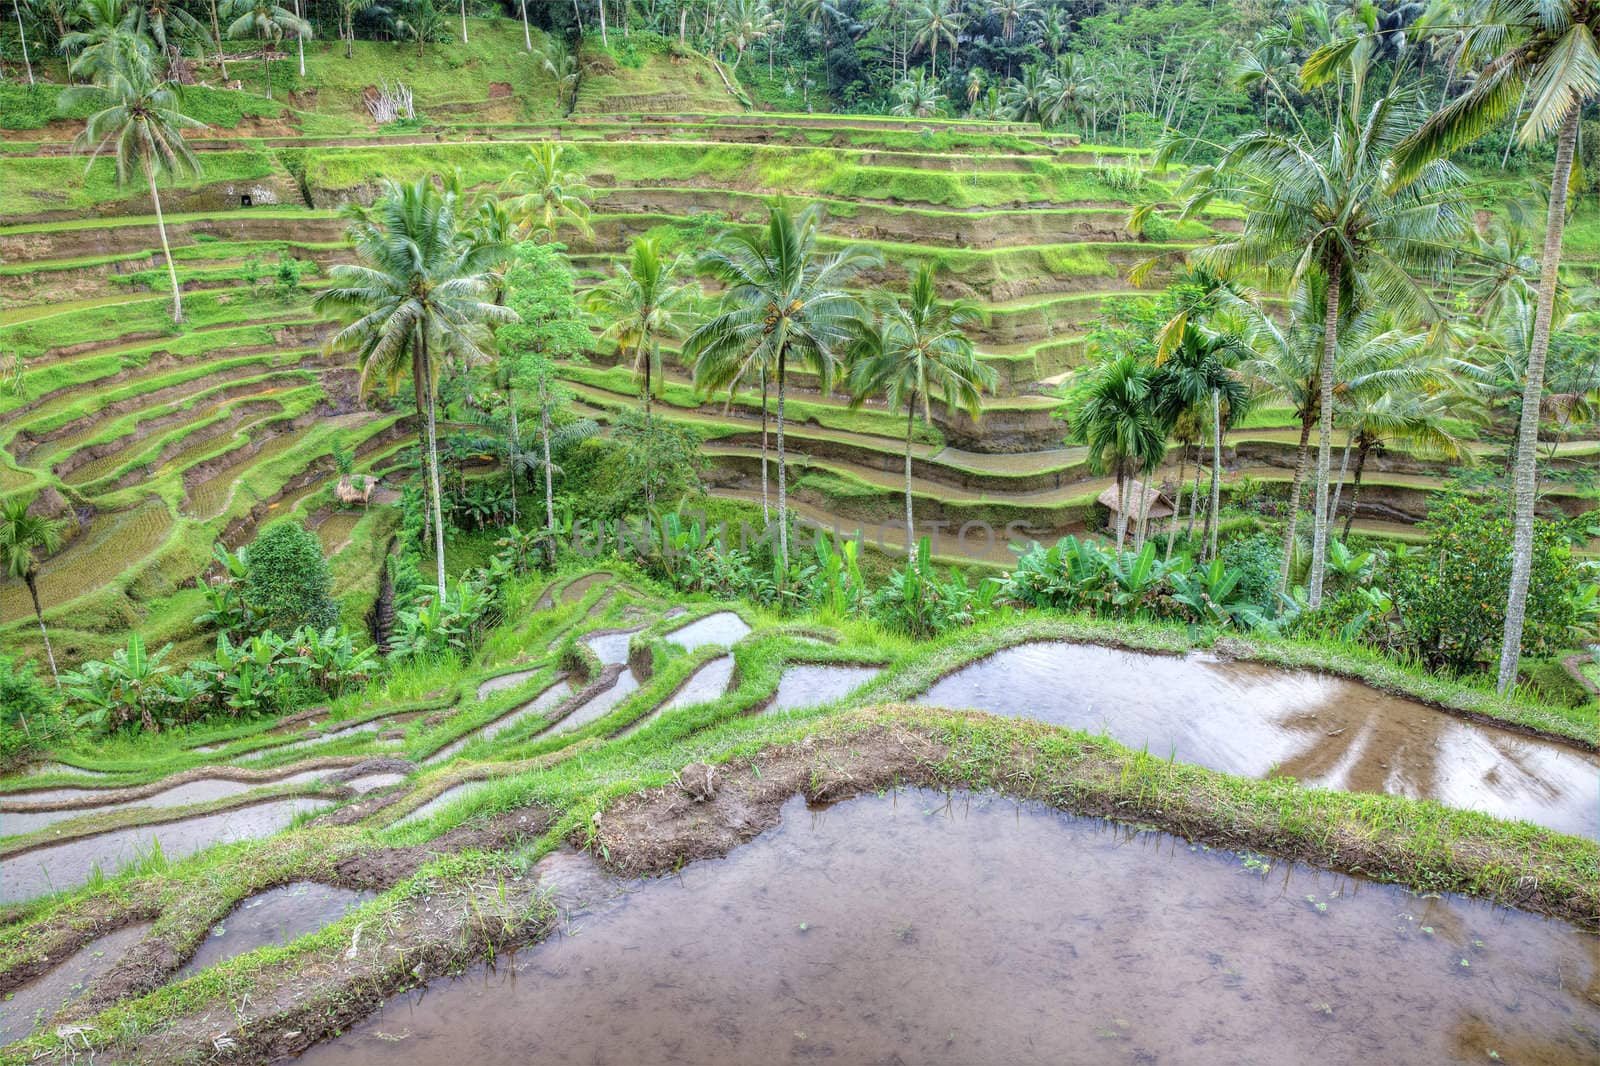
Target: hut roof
{"x":1155,"y":502}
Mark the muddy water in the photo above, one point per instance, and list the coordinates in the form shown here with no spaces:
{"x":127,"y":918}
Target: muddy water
{"x":724,"y":628}
{"x":503,"y":682}
{"x":276,"y":916}
{"x":813,"y":685}
{"x":538,"y":705}
{"x":909,"y":929}
{"x":612,"y":647}
{"x":576,"y":591}
{"x":1249,"y":719}
{"x":598,"y":706}
{"x":16,"y":823}
{"x":38,"y":1001}
{"x":704,"y":685}
{"x":64,"y":866}
{"x":442,"y":800}
{"x":373,"y":782}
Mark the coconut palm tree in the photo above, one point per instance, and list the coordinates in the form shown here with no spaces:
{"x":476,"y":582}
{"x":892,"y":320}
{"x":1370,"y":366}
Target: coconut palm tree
{"x":548,"y":195}
{"x":1028,"y":98}
{"x":164,"y":23}
{"x":557,"y":60}
{"x":107,"y":42}
{"x":142,"y":125}
{"x":917,"y":96}
{"x":642,"y":304}
{"x":1326,"y":206}
{"x":784,"y":300}
{"x":915,"y":352}
{"x":744,"y":23}
{"x":418,"y":288}
{"x":1411,"y":418}
{"x":1541,"y":56}
{"x":22,"y":535}
{"x":22,"y":33}
{"x":934,"y":22}
{"x":1115,"y":415}
{"x":269,"y":22}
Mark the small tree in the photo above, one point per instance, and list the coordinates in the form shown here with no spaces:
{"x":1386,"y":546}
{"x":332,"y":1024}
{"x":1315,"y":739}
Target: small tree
{"x":288,"y":580}
{"x":268,"y":21}
{"x":21,"y":536}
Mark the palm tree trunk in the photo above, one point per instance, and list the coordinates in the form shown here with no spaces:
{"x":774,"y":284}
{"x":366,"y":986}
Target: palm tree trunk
{"x":349,"y":33}
{"x":299,"y":41}
{"x":783,"y":477}
{"x":166,"y":249}
{"x":33,"y":590}
{"x":216,"y":33}
{"x":527,"y":35}
{"x":1355,"y":489}
{"x":1302,"y":457}
{"x":1177,"y":505}
{"x":1122,"y":506}
{"x":1338,"y":486}
{"x":911,"y":535}
{"x":766,"y":513}
{"x":1319,"y":513}
{"x":433,"y":461}
{"x":1213,"y":513}
{"x":17,"y":6}
{"x":1525,"y":478}
{"x":549,"y":477}
{"x":463,"y":21}
{"x":603,"y":39}
{"x":266,"y":67}
{"x":1194,"y":496}
{"x":516,"y":442}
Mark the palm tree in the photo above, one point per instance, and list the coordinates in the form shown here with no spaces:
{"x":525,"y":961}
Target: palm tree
{"x":1028,"y":98}
{"x":144,"y":128}
{"x":1195,"y":377}
{"x":1326,"y":206}
{"x":1414,"y":419}
{"x":268,"y":21}
{"x":107,"y":43}
{"x":557,"y":60}
{"x":917,"y":96}
{"x":1073,"y":87}
{"x":164,"y":23}
{"x":1115,"y":415}
{"x":744,"y":23}
{"x":916,"y":351}
{"x":21,"y":535}
{"x":17,"y":6}
{"x":643,"y":303}
{"x":1542,"y":55}
{"x":1011,"y":13}
{"x":784,"y":300}
{"x":547,"y":194}
{"x":418,"y":287}
{"x":933,"y":22}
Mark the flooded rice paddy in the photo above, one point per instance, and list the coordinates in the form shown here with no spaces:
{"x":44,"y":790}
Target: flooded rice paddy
{"x":724,"y":628}
{"x":68,"y":865}
{"x":276,"y":916}
{"x":1246,"y":718}
{"x":16,"y":823}
{"x":916,"y":928}
{"x":810,"y":685}
{"x":502,"y":682}
{"x":704,"y":685}
{"x":442,"y":800}
{"x":538,"y":705}
{"x":599,"y":705}
{"x":612,"y":647}
{"x":40,"y":999}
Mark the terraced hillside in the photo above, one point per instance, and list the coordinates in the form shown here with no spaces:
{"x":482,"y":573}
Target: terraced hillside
{"x":161,"y":439}
{"x":404,"y":822}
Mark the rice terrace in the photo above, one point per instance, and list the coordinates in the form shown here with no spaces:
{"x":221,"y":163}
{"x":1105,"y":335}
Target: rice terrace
{"x":723,"y":531}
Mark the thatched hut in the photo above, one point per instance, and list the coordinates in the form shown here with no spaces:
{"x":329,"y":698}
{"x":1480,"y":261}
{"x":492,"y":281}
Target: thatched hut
{"x":1154,"y":503}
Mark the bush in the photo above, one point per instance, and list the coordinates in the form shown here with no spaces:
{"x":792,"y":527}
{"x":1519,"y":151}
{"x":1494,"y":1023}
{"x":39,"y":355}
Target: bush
{"x":1451,"y":592}
{"x":30,"y":716}
{"x":288,"y":582}
{"x":1257,"y":559}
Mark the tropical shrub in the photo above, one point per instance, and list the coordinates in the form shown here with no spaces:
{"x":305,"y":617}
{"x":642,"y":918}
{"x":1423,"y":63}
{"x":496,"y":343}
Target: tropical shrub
{"x":30,"y":714}
{"x":287,"y":581}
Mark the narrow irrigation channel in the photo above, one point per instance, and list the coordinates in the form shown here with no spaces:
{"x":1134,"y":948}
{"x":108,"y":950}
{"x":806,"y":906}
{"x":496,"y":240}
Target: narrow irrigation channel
{"x":1246,"y":718}
{"x":930,"y":928}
